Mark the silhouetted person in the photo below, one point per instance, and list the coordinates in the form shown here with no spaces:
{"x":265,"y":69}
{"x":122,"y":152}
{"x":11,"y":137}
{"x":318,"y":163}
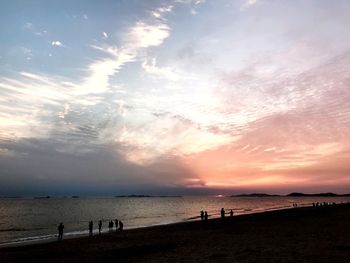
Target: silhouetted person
{"x":205,"y":216}
{"x":222,"y":212}
{"x":202,"y":215}
{"x":91,"y":225}
{"x":231,"y":213}
{"x":121,"y":226}
{"x":99,"y":227}
{"x":60,"y":231}
{"x":116,"y":222}
{"x":110,"y":226}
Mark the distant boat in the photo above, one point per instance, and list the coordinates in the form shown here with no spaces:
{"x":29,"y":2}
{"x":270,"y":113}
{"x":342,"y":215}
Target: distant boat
{"x":75,"y":196}
{"x":42,"y":197}
{"x":139,"y":196}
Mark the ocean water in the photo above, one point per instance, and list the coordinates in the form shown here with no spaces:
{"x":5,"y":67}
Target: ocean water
{"x":23,"y":220}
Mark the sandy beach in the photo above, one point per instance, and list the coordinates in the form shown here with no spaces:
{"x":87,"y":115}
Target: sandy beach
{"x":310,"y":234}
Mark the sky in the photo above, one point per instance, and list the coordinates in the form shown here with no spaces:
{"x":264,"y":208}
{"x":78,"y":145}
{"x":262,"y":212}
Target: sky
{"x":174,"y":97}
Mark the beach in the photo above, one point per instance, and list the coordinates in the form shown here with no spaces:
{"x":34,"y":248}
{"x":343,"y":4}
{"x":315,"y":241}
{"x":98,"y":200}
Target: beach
{"x":307,"y":234}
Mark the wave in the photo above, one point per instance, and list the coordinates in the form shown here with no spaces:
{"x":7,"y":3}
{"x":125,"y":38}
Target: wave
{"x":20,"y":229}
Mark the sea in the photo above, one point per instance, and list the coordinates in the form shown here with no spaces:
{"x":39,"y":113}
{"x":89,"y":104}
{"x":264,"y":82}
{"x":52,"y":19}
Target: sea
{"x":24,"y":220}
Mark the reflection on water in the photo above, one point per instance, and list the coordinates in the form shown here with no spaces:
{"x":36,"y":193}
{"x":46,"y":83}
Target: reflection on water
{"x":21,"y":219}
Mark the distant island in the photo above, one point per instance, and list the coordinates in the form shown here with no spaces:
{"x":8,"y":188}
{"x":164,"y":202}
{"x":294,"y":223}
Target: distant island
{"x":253,"y":195}
{"x":142,"y":196}
{"x":294,"y":194}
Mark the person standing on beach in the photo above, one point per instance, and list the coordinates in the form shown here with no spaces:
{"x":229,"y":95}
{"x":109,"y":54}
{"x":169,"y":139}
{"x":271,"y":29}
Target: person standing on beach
{"x":121,"y":226}
{"x":202,"y":215}
{"x":231,"y":213}
{"x":116,"y":224}
{"x":222,"y":212}
{"x":91,"y":224}
{"x":60,"y":231}
{"x":205,"y":215}
{"x":110,"y":226}
{"x":99,"y":227}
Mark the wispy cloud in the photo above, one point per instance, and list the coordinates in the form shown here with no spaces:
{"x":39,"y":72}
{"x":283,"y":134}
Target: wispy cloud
{"x":162,"y":11}
{"x":45,"y":95}
{"x":140,"y":36}
{"x":165,"y":72}
{"x":104,"y":35}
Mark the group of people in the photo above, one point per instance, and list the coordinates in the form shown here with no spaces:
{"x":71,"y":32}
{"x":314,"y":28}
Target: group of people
{"x":118,"y":226}
{"x":223,"y":213}
{"x":111,"y":225}
{"x":322,"y":204}
{"x":204,"y":214}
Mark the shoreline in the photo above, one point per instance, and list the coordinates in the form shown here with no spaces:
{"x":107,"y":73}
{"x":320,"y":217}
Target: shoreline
{"x":305,"y":234}
{"x":85,"y":233}
{"x":52,"y":238}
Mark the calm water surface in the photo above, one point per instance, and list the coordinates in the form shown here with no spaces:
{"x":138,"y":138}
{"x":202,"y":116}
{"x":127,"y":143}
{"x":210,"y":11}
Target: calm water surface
{"x":31,"y":219}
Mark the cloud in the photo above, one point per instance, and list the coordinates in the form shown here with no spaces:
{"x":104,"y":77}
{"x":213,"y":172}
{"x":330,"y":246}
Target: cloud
{"x":57,"y":43}
{"x":104,"y":35}
{"x":161,"y":11}
{"x":195,"y":2}
{"x":27,"y":52}
{"x":295,"y":134}
{"x":153,"y":70}
{"x":235,"y":120}
{"x":140,"y":36}
{"x":40,"y":97}
{"x":144,"y":35}
{"x":248,"y":4}
{"x":42,"y":167}
{"x":28,"y":25}
{"x":41,"y":33}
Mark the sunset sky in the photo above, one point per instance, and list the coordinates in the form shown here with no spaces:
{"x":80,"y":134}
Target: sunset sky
{"x":182,"y":96}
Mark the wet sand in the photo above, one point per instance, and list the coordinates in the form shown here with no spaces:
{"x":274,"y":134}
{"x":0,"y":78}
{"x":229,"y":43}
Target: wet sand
{"x":310,"y":234}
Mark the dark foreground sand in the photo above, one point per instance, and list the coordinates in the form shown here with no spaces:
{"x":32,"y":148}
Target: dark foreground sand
{"x":296,"y":235}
